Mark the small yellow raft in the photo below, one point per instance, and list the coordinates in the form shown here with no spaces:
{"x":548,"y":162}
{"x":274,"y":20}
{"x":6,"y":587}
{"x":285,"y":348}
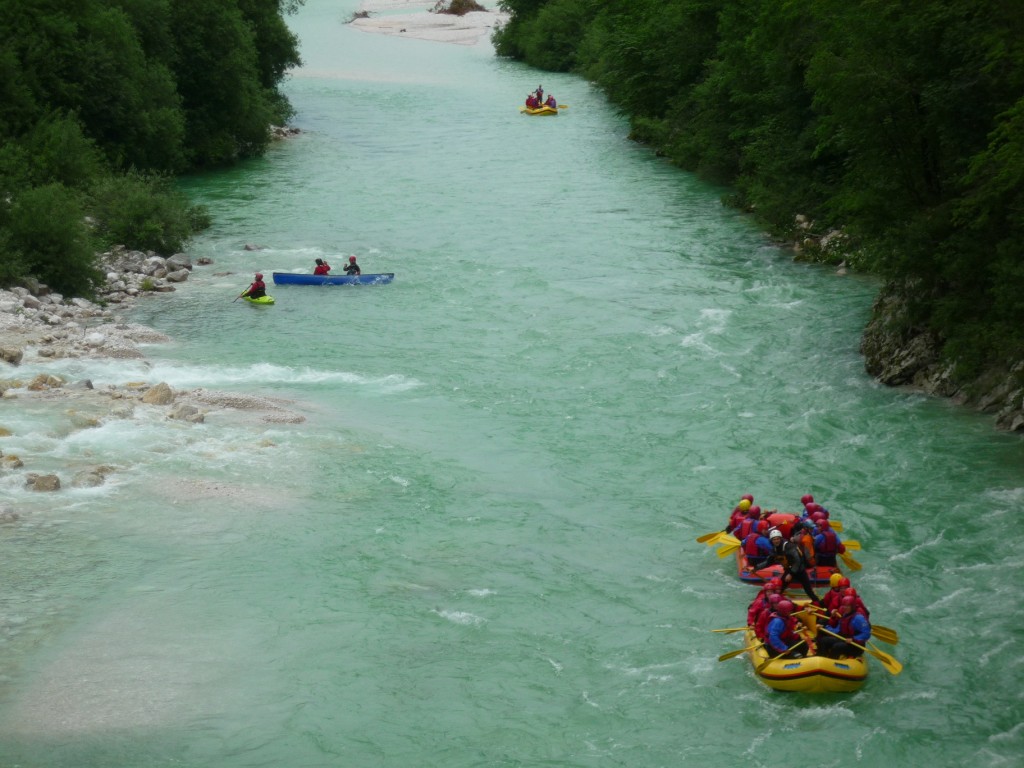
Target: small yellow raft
{"x":539,"y":111}
{"x":811,"y":674}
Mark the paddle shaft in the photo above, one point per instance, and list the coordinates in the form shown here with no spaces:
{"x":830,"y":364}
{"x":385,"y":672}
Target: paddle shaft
{"x":889,"y":662}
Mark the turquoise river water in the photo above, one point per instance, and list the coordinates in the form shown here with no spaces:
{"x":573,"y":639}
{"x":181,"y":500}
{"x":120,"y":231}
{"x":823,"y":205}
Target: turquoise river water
{"x":478,"y":548}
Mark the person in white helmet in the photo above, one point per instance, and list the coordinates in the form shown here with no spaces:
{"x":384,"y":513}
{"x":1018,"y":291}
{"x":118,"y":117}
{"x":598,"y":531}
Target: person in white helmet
{"x":794,"y":566}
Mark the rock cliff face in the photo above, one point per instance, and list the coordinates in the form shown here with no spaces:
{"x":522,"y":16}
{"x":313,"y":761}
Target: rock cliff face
{"x":899,"y":353}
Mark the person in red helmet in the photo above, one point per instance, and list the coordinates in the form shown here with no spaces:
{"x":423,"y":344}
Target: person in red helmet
{"x":783,"y":639}
{"x":258,"y":289}
{"x":851,"y":625}
{"x":858,"y":604}
{"x":749,"y":523}
{"x":830,"y":600}
{"x":352,"y":268}
{"x":322,"y":267}
{"x":827,"y":544}
{"x":806,"y":499}
{"x":769,"y":588}
{"x":765,"y":615}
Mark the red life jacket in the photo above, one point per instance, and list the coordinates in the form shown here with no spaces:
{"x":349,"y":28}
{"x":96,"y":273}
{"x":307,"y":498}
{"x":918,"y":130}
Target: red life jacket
{"x":832,"y":598}
{"x":750,"y":545}
{"x":829,"y":544}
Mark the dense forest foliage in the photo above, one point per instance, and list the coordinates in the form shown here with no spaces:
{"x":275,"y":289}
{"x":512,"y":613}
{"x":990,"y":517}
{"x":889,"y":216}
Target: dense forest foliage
{"x":900,"y":123}
{"x":103,"y":102}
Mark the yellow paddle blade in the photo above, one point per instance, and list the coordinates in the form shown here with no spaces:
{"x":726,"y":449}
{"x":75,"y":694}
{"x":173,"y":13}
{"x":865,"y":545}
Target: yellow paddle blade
{"x":740,"y":652}
{"x":885,"y":634}
{"x":563,"y":106}
{"x":727,"y":549}
{"x":731,"y":629}
{"x":889,"y":662}
{"x":852,"y":564}
{"x":836,"y":526}
{"x":854,"y":545}
{"x":709,"y":536}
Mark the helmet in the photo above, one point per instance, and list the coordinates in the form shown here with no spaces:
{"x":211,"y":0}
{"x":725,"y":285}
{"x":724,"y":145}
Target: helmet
{"x":844,"y":582}
{"x":754,"y":510}
{"x":259,"y":275}
{"x":744,"y":505}
{"x":848,"y":601}
{"x":834,"y":579}
{"x":784,"y":608}
{"x":817,"y":516}
{"x":806,"y":499}
{"x":351,"y":258}
{"x":774,"y":533}
{"x":774,"y":598}
{"x":849,"y":592}
{"x":774,"y":583}
{"x":319,"y":261}
{"x":748,"y":497}
{"x":823,"y":524}
{"x":813,"y":506}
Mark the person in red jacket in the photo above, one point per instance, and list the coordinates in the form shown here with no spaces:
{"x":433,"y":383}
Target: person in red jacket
{"x":830,"y":601}
{"x":765,"y":615}
{"x":322,"y":267}
{"x":257,"y":289}
{"x":770,"y":587}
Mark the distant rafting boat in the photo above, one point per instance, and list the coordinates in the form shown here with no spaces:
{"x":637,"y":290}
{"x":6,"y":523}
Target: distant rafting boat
{"x":292,"y":278}
{"x":544,"y":110}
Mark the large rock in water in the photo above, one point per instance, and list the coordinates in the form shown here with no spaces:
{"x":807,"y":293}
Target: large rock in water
{"x":161,"y":394}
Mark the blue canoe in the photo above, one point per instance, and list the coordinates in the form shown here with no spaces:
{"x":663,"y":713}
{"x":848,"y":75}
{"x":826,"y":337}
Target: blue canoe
{"x":293,"y":278}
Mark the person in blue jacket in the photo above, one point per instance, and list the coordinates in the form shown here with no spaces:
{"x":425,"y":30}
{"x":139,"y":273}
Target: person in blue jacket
{"x":852,"y":625}
{"x":827,"y":544}
{"x":783,"y":639}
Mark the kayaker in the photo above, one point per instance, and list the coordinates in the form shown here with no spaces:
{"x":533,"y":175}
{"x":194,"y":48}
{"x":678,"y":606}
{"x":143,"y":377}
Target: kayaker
{"x":352,"y":268}
{"x":258,"y":289}
{"x":783,"y":639}
{"x":794,"y":567}
{"x":848,"y":623}
{"x":322,"y":267}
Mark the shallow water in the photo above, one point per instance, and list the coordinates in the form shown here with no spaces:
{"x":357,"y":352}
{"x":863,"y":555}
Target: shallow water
{"x":478,"y":547}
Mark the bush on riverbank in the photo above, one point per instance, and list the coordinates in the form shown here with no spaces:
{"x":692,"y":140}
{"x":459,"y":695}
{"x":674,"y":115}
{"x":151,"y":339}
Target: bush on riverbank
{"x":902,"y":126}
{"x":101,"y":103}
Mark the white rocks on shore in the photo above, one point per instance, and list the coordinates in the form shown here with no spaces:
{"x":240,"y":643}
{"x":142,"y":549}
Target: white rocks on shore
{"x":39,"y":325}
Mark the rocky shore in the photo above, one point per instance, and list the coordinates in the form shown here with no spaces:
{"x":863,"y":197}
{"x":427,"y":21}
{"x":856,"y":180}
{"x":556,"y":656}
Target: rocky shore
{"x":899,"y":353}
{"x":38,"y":326}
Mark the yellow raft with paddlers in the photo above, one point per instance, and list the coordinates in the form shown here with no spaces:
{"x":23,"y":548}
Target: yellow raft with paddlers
{"x":810,"y":674}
